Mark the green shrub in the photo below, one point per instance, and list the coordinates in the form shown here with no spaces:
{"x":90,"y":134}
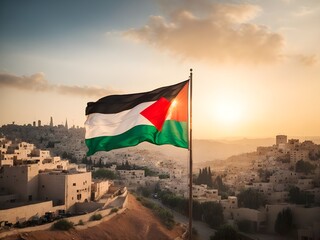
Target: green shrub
{"x":80,"y":222}
{"x":63,"y":225}
{"x":96,"y":217}
{"x":114,"y":210}
{"x":246,"y":226}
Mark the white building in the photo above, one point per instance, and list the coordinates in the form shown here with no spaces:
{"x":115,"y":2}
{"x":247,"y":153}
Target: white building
{"x":201,"y":193}
{"x":132,"y":177}
{"x":65,"y":188}
{"x":299,"y":154}
{"x":284,"y":177}
{"x":99,"y":188}
{"x":21,"y":180}
{"x":305,"y":184}
{"x":255,"y":216}
{"x":228,"y":206}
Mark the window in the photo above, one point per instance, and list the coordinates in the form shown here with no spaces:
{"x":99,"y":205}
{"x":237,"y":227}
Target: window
{"x":74,"y":184}
{"x":79,"y":197}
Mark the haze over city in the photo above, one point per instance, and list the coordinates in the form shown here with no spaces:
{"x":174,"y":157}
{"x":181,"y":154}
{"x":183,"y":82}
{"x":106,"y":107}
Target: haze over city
{"x":256,"y":63}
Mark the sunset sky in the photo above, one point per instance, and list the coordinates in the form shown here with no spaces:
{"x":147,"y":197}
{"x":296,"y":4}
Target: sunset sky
{"x":256,"y":63}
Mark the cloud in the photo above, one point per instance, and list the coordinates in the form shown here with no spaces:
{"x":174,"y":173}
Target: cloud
{"x":287,"y":1}
{"x":304,"y":11}
{"x":211,"y":32}
{"x":37,"y":82}
{"x":308,"y":60}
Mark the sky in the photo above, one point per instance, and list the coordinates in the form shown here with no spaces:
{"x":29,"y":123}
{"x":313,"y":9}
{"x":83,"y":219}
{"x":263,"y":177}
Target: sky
{"x":256,"y":64}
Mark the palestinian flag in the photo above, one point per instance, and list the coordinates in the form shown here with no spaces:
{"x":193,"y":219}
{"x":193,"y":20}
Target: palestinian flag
{"x":159,"y":117}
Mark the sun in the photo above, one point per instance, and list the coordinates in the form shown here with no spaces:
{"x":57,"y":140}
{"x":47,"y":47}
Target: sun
{"x":228,"y":111}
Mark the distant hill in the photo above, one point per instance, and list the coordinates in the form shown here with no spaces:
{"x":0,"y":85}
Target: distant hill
{"x":209,"y":150}
{"x":212,"y":150}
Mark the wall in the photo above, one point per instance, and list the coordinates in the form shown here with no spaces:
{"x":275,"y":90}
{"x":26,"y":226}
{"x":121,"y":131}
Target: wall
{"x":78,"y":188}
{"x":302,"y":217}
{"x":52,"y":186}
{"x":25,"y":212}
{"x":20,"y":180}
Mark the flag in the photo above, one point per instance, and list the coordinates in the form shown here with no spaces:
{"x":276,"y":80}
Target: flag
{"x":159,"y":117}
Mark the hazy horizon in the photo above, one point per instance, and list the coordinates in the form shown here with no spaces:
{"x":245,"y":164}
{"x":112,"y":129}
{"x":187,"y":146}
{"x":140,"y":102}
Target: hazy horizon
{"x":227,"y":140}
{"x":255,"y":63}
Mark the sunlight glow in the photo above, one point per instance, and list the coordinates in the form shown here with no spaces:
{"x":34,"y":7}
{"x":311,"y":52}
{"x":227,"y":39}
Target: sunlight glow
{"x":228,"y":112}
{"x":174,"y":104}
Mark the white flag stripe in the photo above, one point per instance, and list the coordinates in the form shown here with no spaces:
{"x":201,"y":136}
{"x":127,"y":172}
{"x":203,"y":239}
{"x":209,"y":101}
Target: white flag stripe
{"x":99,"y":124}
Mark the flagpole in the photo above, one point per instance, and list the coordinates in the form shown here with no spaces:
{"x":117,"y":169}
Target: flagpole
{"x":190,"y":157}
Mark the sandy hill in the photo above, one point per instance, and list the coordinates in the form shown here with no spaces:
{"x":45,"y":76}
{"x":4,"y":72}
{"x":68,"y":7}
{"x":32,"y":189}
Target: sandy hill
{"x":136,"y":222}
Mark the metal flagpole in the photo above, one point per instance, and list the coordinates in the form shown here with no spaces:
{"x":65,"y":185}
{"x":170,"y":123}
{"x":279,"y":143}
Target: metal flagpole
{"x":190,"y":156}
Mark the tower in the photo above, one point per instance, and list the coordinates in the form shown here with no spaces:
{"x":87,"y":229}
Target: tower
{"x":281,"y":139}
{"x":66,"y":125}
{"x":51,"y":122}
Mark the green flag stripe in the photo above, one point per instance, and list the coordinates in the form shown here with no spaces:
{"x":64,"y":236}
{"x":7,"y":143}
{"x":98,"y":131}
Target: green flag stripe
{"x":173,"y":132}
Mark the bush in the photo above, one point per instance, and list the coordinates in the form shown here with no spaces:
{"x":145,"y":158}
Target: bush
{"x":114,"y":210}
{"x":96,"y":217}
{"x":104,"y":173}
{"x":165,"y":216}
{"x":225,"y":232}
{"x":145,"y":192}
{"x":246,"y":226}
{"x":251,"y":198}
{"x":80,"y":222}
{"x":63,"y":225}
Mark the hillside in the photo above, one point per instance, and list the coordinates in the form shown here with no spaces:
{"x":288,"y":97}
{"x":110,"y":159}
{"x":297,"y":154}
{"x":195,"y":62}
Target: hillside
{"x":136,"y":222}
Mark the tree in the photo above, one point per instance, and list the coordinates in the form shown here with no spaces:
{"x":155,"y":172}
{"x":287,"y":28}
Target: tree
{"x":219,"y":184}
{"x":144,"y":191}
{"x":225,"y":232}
{"x":298,"y":197}
{"x":204,"y":177}
{"x":304,"y":167}
{"x":104,"y":173}
{"x":164,"y":175}
{"x":84,"y":160}
{"x":264,"y":174}
{"x":212,"y":213}
{"x":147,"y":171}
{"x":284,"y":222}
{"x":251,"y":198}
{"x":314,"y":155}
{"x":69,"y":156}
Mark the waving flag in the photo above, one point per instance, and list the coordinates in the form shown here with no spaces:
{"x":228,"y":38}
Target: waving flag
{"x":159,"y":117}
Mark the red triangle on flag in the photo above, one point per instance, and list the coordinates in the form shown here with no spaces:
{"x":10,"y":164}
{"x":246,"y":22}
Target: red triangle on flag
{"x":156,"y":113}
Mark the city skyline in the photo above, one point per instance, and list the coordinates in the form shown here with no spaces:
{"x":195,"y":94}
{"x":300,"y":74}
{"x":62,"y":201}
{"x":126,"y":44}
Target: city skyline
{"x":256,"y":63}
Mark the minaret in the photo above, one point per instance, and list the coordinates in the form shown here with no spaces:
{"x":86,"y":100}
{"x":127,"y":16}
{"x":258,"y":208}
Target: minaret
{"x":51,"y":122}
{"x":66,"y":125}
